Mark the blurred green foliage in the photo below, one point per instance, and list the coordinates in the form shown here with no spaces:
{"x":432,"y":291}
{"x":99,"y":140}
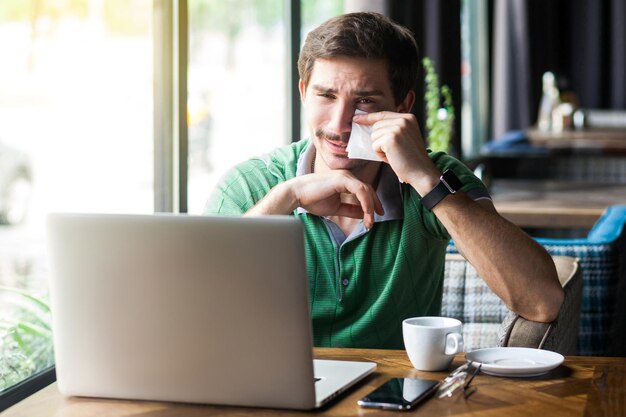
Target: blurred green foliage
{"x":26,"y":346}
{"x":228,"y":16}
{"x":123,"y":17}
{"x":16,"y":10}
{"x":129,"y":17}
{"x":439,"y":110}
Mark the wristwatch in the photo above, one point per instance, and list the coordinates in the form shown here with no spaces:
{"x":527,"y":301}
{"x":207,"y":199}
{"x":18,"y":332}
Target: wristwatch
{"x":449,"y":183}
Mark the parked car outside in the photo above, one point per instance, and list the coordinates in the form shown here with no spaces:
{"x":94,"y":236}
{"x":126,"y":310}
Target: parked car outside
{"x":16,"y":185}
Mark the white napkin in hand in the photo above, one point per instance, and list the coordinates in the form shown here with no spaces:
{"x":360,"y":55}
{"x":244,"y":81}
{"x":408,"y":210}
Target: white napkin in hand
{"x":360,"y":142}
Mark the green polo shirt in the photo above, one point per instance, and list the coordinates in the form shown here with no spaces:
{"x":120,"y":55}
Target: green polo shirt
{"x":361,"y":286}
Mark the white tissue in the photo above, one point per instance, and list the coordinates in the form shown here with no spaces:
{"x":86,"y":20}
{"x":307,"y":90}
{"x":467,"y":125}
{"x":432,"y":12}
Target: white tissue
{"x":360,"y":142}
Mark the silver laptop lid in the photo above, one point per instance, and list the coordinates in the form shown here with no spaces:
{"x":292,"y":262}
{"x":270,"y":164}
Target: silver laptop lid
{"x":181,"y":308}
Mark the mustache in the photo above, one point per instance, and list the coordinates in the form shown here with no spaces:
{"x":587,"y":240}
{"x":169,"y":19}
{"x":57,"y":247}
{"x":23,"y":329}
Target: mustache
{"x":325,"y":134}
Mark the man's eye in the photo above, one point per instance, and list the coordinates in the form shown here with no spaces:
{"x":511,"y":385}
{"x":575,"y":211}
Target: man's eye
{"x":365,"y":101}
{"x":325,"y":95}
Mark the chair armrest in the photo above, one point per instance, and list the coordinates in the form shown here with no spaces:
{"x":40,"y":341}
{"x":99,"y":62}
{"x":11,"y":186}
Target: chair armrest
{"x":561,"y":335}
{"x":610,"y":226}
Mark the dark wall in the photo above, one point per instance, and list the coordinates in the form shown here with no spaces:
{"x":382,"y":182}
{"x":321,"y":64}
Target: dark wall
{"x":584,"y":43}
{"x":437,"y":29}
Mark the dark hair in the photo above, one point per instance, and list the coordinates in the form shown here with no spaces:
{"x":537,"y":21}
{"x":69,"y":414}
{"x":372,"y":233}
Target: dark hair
{"x":364,"y":35}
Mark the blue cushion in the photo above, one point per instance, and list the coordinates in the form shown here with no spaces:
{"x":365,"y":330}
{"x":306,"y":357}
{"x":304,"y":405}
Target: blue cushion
{"x":610,"y":226}
{"x":513,"y":142}
{"x":599,"y":264}
{"x":599,"y":261}
{"x":605,"y":231}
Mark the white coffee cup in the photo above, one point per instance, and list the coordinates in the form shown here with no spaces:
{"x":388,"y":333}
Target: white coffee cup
{"x":432,"y":342}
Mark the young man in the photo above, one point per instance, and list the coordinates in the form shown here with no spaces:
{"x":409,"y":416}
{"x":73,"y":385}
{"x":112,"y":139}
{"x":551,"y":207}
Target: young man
{"x":376,"y":232}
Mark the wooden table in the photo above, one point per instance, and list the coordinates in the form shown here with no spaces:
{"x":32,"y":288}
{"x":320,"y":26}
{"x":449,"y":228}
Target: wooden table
{"x":554,"y":204}
{"x":582,"y":386}
{"x":608,"y":141}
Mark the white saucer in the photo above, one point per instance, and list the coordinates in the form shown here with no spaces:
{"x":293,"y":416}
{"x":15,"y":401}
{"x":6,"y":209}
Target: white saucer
{"x":516,"y":362}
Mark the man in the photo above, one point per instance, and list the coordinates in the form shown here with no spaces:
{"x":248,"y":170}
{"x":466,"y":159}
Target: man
{"x":376,"y":232}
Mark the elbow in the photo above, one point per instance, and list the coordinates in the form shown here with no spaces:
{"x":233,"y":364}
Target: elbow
{"x":540,"y":302}
{"x":546,"y":304}
{"x":547,"y":309}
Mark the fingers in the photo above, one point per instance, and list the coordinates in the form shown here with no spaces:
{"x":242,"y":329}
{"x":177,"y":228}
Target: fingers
{"x":371,"y":118}
{"x":356,"y":212}
{"x":353,"y":211}
{"x":397,"y":140}
{"x":339,"y":193}
{"x":368,"y":200}
{"x":391,"y":130}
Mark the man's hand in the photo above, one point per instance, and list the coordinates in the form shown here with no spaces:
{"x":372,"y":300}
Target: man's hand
{"x":334,"y":193}
{"x":397,"y":140}
{"x":514,"y":266}
{"x":321,"y":194}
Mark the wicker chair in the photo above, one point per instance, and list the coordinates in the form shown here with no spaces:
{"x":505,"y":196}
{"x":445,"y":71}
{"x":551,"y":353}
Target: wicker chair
{"x":602,"y":258}
{"x":602,"y":261}
{"x":487,"y":322}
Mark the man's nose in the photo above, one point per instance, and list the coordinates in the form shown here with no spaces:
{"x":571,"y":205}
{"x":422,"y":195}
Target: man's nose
{"x":341,"y":118}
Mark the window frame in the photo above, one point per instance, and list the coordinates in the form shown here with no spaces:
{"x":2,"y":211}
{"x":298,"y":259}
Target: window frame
{"x":170,"y":32}
{"x":27,"y":387}
{"x":476,"y":100}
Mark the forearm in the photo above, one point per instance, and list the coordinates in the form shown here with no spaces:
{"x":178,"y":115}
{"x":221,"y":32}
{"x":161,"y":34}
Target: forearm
{"x":514,"y":266}
{"x":321,"y":194}
{"x":280,"y":200}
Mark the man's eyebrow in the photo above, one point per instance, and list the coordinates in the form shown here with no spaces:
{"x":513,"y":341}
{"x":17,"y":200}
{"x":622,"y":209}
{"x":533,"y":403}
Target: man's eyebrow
{"x":323,"y":89}
{"x":359,"y":93}
{"x":366,"y":93}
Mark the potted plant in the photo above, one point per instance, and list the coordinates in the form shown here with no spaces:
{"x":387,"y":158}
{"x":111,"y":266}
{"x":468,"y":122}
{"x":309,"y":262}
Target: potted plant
{"x":439,"y":110}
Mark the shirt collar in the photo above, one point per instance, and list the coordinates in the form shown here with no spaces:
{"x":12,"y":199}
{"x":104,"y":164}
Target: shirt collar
{"x":388,"y":190}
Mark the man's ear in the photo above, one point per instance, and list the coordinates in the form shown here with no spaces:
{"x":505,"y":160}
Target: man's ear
{"x":406,"y":105}
{"x":302,"y":89}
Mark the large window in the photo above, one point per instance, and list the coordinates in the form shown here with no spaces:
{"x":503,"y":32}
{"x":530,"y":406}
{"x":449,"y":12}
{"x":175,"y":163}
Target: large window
{"x":75,"y":135}
{"x":236,"y":87}
{"x":77,"y":117}
{"x":238,"y":90}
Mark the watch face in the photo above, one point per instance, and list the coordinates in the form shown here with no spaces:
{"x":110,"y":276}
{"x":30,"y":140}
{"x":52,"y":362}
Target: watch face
{"x":451,"y":180}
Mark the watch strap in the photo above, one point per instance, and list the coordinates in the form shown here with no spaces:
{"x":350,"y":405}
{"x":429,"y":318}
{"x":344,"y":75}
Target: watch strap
{"x":448,"y":184}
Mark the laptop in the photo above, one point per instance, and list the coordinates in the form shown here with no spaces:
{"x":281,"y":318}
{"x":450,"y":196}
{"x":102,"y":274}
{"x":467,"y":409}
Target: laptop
{"x":182,"y":308}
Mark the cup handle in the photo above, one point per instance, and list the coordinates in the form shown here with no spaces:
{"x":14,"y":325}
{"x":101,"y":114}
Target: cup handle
{"x":454,"y":343}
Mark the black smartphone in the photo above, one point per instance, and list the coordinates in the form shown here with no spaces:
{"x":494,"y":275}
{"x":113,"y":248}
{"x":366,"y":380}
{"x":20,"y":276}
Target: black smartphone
{"x":400,"y":394}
